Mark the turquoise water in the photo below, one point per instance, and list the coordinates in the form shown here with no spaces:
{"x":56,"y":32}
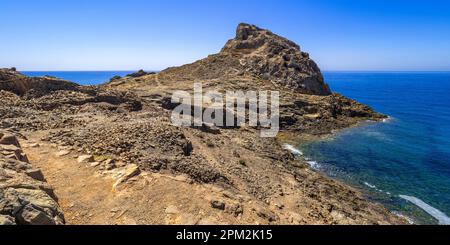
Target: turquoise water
{"x":408,"y":155}
{"x":80,"y":77}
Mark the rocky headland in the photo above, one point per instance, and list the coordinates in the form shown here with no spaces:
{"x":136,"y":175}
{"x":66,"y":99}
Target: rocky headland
{"x":113,"y":156}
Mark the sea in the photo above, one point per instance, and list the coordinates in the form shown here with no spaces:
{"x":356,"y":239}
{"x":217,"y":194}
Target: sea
{"x":80,"y":77}
{"x":402,"y":162}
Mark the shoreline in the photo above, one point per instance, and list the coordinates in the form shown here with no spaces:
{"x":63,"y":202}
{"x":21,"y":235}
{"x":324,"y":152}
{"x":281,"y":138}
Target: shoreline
{"x":436,"y":214}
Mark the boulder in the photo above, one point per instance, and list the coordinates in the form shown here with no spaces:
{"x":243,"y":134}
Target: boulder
{"x":35,"y":174}
{"x":25,"y":197}
{"x":9,"y":139}
{"x":127,"y":173}
{"x":6,"y":220}
{"x":62,"y":153}
{"x":218,"y":205}
{"x":32,"y":216}
{"x":85,"y":159}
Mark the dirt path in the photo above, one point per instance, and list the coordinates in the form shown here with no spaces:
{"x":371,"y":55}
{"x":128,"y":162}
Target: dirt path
{"x":87,"y":196}
{"x":83,"y":194}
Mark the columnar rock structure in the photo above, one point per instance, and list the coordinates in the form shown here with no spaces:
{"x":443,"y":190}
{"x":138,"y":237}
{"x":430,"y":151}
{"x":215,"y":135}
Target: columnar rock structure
{"x":25,"y":197}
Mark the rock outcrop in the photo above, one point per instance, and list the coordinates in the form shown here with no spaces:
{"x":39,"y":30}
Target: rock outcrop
{"x":15,"y":82}
{"x":140,"y":73}
{"x":25,"y":197}
{"x":261,"y":54}
{"x":275,"y":58}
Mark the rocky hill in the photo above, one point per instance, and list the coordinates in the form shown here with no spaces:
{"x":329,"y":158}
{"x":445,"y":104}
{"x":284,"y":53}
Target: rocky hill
{"x":113,"y":156}
{"x":261,"y":54}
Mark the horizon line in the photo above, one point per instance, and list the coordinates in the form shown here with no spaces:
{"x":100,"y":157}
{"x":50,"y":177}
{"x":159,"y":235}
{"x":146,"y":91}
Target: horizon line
{"x":156,"y":70}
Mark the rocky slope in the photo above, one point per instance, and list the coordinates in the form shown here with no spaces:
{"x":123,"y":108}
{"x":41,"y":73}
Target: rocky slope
{"x":125,"y":124}
{"x":25,"y":197}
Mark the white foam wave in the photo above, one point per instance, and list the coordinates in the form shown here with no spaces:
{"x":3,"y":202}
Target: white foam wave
{"x":294,"y":150}
{"x":376,"y":188}
{"x":313,"y":164}
{"x":442,"y":218}
{"x":297,"y":152}
{"x":408,"y":219}
{"x":370,"y":185}
{"x":388,"y":119}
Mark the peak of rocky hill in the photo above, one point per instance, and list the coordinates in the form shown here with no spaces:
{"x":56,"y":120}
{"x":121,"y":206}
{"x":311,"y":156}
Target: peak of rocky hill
{"x":261,"y":55}
{"x":276,"y":58}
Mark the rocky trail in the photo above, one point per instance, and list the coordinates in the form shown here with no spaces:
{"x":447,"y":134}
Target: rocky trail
{"x":88,"y":196}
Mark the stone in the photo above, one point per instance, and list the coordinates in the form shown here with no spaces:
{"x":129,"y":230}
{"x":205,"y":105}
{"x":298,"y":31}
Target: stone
{"x":218,"y":205}
{"x":109,"y":164}
{"x":32,"y":216}
{"x":172,"y":209}
{"x":85,"y":159}
{"x":129,"y":172}
{"x":6,"y":220}
{"x":267,"y":215}
{"x":34,"y":145}
{"x":11,"y":148}
{"x":94,"y":164}
{"x":235,"y":209}
{"x":62,"y":153}
{"x":28,"y":204}
{"x":35,"y":174}
{"x":9,"y":139}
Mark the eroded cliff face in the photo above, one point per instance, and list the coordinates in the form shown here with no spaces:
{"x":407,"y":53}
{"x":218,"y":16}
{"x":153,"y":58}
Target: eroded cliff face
{"x":275,"y":58}
{"x":127,"y":123}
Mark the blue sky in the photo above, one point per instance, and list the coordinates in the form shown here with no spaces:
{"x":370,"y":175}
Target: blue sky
{"x":128,"y":35}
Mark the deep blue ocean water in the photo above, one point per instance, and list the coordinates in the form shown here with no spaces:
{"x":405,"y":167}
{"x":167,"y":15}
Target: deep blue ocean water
{"x":80,"y":77}
{"x":408,"y":155}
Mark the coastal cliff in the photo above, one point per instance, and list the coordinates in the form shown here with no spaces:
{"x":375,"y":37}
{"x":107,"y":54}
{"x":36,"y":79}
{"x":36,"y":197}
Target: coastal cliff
{"x":144,"y":170}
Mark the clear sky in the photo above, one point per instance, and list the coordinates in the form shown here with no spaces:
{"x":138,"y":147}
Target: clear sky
{"x":133,"y":34}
